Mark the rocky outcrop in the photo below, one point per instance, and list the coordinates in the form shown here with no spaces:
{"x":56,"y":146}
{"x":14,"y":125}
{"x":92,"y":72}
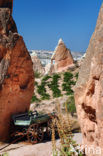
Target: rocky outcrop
{"x":62,"y":56}
{"x":89,"y":90}
{"x":16,"y":73}
{"x":6,"y":4}
{"x":49,"y":69}
{"x":80,"y":61}
{"x":37,"y":66}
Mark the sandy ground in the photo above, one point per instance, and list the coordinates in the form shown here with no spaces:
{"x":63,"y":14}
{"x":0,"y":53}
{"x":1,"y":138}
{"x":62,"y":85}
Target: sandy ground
{"x":41,"y":149}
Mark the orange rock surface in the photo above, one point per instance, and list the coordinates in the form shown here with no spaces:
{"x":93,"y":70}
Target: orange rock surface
{"x":16,"y":73}
{"x":89,"y":92}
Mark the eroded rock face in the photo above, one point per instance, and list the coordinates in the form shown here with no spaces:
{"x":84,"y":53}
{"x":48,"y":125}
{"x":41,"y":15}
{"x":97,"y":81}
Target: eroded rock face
{"x":16,"y":73}
{"x":37,"y":66}
{"x":6,"y":4}
{"x":62,"y":56}
{"x":89,"y":90}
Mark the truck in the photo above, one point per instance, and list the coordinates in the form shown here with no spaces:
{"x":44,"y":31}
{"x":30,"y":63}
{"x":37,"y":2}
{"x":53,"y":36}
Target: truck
{"x":32,"y":125}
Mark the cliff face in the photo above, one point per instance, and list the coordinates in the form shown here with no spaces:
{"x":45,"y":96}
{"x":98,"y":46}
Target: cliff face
{"x":16,"y":73}
{"x":6,"y":4}
{"x":89,"y":90}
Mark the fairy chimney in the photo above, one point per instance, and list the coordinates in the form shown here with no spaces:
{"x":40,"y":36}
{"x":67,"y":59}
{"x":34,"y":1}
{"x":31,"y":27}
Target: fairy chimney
{"x":89,"y":91}
{"x":62,"y":57}
{"x":16,"y":71}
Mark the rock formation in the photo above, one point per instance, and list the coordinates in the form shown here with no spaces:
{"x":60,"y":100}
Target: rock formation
{"x":6,"y":4}
{"x":16,"y":73}
{"x":37,"y":66}
{"x":62,"y":56}
{"x":49,"y":69}
{"x":89,"y":90}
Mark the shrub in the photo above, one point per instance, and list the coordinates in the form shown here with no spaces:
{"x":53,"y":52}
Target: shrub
{"x":76,"y":75}
{"x":67,"y":144}
{"x":36,"y":83}
{"x":34,"y":99}
{"x":67,"y":88}
{"x":56,"y":77}
{"x":70,"y":104}
{"x":46,"y":77}
{"x":53,"y":85}
{"x":42,"y":91}
{"x":45,"y":97}
{"x":67,"y":76}
{"x":68,"y":83}
{"x":72,"y":82}
{"x":37,"y":74}
{"x":4,"y":154}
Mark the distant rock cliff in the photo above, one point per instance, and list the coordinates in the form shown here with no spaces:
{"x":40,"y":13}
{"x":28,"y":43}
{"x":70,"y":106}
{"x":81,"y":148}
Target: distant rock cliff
{"x":16,"y":72}
{"x":89,"y":90}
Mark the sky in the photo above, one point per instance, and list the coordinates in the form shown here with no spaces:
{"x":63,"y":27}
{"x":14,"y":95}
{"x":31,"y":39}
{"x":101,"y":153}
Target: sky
{"x":43,"y":22}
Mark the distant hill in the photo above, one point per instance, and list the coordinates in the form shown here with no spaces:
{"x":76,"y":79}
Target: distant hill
{"x":45,"y":56}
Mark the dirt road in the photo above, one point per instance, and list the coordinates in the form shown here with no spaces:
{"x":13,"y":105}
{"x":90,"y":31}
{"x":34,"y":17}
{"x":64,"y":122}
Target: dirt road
{"x":41,"y":149}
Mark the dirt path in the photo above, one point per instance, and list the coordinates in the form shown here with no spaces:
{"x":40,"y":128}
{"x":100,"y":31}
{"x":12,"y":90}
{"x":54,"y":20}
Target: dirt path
{"x":41,"y":149}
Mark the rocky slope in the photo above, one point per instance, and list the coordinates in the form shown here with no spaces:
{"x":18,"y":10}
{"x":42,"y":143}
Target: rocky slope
{"x":53,"y":89}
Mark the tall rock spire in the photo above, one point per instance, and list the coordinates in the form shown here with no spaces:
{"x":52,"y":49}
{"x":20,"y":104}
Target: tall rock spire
{"x":100,"y":18}
{"x":89,"y":91}
{"x":62,"y":56}
{"x":16,"y":71}
{"x":60,"y":41}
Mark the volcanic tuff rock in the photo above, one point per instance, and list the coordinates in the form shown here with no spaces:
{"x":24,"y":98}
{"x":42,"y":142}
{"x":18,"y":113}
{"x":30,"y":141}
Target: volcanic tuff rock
{"x":37,"y":66}
{"x":6,"y":4}
{"x":62,"y":56}
{"x":49,"y":69}
{"x":16,"y":73}
{"x":89,"y":90}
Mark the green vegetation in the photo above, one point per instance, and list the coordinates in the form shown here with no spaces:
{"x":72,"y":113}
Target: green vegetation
{"x":70,"y":104}
{"x":76,"y":76}
{"x":46,"y":77}
{"x":36,"y":83}
{"x":67,"y":76}
{"x":67,"y":88}
{"x":52,"y":83}
{"x":54,"y":86}
{"x":4,"y":154}
{"x":37,"y":75}
{"x":68,"y":83}
{"x":68,"y":146}
{"x":42,"y":91}
{"x":34,"y":99}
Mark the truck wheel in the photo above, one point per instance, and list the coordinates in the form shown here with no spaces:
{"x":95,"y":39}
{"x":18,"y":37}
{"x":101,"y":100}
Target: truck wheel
{"x":40,"y":136}
{"x":35,"y":133}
